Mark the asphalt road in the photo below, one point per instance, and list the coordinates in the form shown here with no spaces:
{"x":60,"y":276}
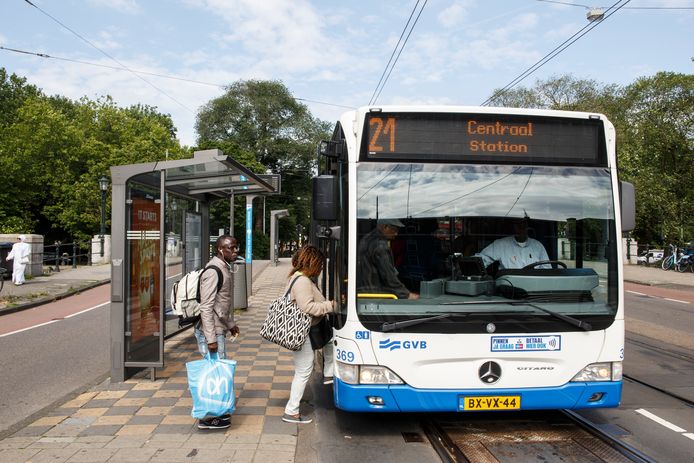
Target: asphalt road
{"x":59,"y":356}
{"x":659,"y":350}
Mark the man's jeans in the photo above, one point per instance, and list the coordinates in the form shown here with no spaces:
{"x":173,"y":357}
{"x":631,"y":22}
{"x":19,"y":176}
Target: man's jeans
{"x":202,"y":344}
{"x":303,"y":367}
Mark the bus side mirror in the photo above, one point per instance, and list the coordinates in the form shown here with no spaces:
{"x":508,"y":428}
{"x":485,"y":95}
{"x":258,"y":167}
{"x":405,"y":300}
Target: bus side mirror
{"x":325,"y":202}
{"x":628,"y":202}
{"x":332,"y":149}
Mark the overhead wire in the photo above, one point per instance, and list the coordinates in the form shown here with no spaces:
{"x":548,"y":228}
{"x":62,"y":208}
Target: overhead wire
{"x":374,"y":99}
{"x":110,"y":57}
{"x":556,"y":51}
{"x":626,"y":7}
{"x":385,"y":69}
{"x":137,"y":71}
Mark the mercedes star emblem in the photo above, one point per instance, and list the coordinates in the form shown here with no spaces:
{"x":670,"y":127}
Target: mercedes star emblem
{"x":490,"y":372}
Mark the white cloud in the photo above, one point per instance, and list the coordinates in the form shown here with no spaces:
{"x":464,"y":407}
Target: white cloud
{"x":124,"y":6}
{"x":284,"y":38}
{"x":107,"y":40}
{"x":455,"y":14}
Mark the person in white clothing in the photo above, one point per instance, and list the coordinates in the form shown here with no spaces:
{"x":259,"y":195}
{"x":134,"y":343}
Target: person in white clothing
{"x":517,"y":251}
{"x":20,"y":254}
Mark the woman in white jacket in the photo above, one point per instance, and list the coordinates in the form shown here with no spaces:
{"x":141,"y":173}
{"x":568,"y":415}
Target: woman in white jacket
{"x":307,"y":263}
{"x":20,"y":254}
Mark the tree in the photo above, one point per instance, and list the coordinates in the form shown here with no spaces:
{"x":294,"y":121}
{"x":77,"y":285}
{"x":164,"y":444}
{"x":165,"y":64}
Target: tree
{"x":559,"y":92}
{"x":655,"y":138}
{"x":53,"y":150}
{"x":657,"y":154}
{"x":263,"y":119}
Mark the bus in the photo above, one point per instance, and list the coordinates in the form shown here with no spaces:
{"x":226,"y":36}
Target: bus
{"x":412,"y":205}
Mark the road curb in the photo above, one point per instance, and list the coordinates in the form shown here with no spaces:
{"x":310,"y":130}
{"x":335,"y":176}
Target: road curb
{"x":46,"y":300}
{"x":676,"y":286}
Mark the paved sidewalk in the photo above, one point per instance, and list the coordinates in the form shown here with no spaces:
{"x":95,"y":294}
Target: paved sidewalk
{"x":655,"y":276}
{"x":149,"y":421}
{"x":47,"y":288}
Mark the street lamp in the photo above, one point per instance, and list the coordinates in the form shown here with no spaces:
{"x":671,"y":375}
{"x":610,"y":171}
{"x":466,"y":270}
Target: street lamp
{"x":103,"y":186}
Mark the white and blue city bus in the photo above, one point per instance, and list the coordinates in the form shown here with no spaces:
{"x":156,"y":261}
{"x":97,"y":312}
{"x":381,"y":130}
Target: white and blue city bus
{"x":480,"y":336}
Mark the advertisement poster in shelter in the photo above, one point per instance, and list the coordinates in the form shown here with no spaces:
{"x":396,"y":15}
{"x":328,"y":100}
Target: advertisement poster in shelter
{"x":144,"y":239}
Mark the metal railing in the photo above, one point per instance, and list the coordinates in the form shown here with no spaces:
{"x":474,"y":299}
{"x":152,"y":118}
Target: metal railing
{"x":67,"y":254}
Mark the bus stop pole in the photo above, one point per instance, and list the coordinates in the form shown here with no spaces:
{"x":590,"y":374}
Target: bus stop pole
{"x":231,"y":213}
{"x":249,"y":243}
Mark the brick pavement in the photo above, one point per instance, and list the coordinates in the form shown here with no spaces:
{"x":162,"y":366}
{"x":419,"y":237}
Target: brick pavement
{"x":149,"y":421}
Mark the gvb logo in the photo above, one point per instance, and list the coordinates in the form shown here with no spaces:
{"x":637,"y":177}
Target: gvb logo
{"x":392,"y":345}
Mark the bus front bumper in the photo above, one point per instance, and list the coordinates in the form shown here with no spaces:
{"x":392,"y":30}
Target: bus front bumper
{"x":404,"y":398}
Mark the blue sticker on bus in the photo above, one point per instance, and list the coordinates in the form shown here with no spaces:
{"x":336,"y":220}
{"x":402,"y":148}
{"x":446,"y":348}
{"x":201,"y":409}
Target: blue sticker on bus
{"x":526,"y":343}
{"x":361,"y":335}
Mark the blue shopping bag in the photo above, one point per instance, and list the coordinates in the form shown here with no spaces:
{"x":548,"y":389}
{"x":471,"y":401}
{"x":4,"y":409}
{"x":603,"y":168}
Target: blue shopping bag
{"x":211,"y":383}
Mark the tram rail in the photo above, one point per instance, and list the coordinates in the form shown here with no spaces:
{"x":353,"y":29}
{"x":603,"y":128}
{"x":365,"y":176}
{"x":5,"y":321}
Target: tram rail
{"x":529,"y":436}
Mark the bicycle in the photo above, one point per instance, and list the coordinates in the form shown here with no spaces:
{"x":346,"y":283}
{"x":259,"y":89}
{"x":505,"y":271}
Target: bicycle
{"x":669,"y":261}
{"x":684,"y":262}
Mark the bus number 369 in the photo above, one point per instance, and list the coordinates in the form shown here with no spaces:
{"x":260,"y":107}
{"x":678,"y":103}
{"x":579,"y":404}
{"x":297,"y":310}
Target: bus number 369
{"x":344,"y":355}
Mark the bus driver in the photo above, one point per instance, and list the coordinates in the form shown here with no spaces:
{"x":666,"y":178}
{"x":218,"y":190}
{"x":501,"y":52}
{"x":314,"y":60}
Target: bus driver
{"x":515,"y":251}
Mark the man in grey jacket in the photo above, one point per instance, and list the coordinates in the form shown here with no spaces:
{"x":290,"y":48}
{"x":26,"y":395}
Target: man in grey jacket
{"x":217,"y":311}
{"x":376,"y":272}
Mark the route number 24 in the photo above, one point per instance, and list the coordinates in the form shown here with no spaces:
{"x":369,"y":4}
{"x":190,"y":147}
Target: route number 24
{"x":344,"y":355}
{"x":378,"y":128}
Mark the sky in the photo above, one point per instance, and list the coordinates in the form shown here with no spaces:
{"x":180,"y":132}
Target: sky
{"x":330,"y":54}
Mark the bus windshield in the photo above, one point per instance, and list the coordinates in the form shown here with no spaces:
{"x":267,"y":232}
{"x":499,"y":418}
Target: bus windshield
{"x":485,"y":240}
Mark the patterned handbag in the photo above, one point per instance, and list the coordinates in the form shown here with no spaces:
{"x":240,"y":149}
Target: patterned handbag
{"x":286,"y":325}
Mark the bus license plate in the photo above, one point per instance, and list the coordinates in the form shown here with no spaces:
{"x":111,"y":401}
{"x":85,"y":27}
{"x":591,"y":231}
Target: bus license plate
{"x":496,"y":402}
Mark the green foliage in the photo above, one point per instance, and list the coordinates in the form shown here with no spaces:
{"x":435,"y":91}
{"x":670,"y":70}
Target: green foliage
{"x":655,"y":141}
{"x":657,"y":155}
{"x":261,"y":125}
{"x":53,"y":150}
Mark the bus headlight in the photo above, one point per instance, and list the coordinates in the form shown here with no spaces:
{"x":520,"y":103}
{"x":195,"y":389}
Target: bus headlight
{"x":365,"y":374}
{"x":347,"y":373}
{"x":603,"y":371}
{"x":377,"y":375}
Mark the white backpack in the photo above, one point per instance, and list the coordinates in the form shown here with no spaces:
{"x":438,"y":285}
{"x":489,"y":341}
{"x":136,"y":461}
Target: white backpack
{"x":185,"y":295}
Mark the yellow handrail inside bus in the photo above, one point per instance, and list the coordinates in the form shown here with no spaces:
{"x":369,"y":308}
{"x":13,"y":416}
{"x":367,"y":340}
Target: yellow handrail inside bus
{"x":377,"y":295}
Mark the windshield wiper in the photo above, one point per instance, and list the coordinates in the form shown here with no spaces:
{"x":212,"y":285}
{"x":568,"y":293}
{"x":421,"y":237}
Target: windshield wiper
{"x":390,"y":326}
{"x":567,"y":318}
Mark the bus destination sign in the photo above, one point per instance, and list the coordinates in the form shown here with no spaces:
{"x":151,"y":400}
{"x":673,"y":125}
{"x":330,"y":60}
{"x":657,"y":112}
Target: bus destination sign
{"x":498,"y":138}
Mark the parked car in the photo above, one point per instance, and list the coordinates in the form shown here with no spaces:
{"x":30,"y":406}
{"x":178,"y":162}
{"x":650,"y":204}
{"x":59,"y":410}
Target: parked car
{"x":648,"y":257}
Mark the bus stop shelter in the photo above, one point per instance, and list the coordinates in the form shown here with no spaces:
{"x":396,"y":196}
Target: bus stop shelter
{"x":160,"y":230}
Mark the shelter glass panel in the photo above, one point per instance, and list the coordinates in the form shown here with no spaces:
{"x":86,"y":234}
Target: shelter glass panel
{"x":143,"y":314}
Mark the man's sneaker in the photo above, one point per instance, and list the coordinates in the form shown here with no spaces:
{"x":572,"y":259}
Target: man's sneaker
{"x":296,"y":419}
{"x":214,"y":423}
{"x":327,"y":379}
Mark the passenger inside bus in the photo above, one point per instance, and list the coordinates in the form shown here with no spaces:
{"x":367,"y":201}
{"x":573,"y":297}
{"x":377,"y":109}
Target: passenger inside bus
{"x":515,"y":251}
{"x":418,"y":253}
{"x":376,"y":268}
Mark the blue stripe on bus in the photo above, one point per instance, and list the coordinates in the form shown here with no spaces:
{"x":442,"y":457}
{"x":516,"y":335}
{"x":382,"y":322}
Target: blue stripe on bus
{"x":404,"y":398}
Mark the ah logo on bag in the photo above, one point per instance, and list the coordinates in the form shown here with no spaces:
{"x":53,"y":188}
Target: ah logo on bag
{"x":211,"y":384}
{"x":215,"y":386}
